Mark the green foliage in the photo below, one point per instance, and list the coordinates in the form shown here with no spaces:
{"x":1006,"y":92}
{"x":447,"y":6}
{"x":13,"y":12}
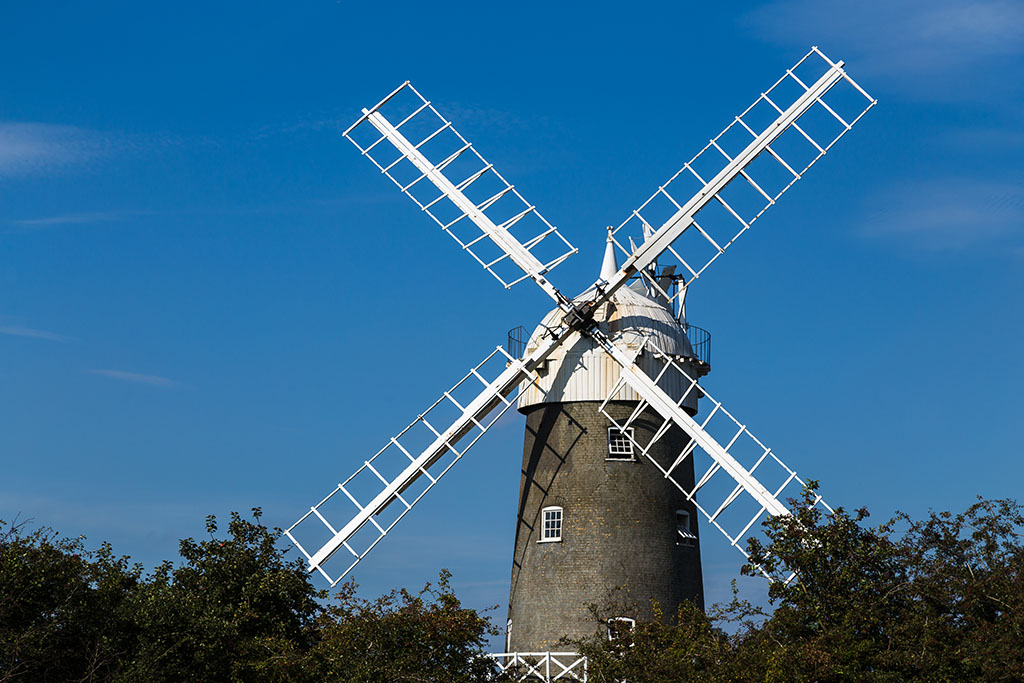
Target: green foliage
{"x":966,"y":574}
{"x":939,"y":601}
{"x":658,"y":651}
{"x":837,"y":618}
{"x":428,"y":636}
{"x":232,"y":608}
{"x":63,"y":611}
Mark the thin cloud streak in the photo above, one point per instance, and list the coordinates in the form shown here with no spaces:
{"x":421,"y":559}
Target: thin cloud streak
{"x":472,"y":116}
{"x":77,"y":218}
{"x":991,"y":139}
{"x":38,"y":148}
{"x":129,"y":518}
{"x":934,"y":50}
{"x":492,"y":119}
{"x":17,"y":331}
{"x":135,"y":377}
{"x":948,"y":214}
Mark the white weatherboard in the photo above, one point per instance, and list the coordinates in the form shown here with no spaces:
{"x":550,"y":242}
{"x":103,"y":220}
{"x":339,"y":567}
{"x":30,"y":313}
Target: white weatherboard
{"x":693,"y":218}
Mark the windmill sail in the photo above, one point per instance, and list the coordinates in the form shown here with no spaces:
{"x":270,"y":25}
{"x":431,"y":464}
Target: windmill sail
{"x":740,"y":483}
{"x":511,"y":239}
{"x":789,"y":127}
{"x":380,"y":492}
{"x":744,"y":170}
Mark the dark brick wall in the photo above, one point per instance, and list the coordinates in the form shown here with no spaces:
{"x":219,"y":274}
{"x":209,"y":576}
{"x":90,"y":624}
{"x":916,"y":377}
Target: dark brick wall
{"x":618,"y":528}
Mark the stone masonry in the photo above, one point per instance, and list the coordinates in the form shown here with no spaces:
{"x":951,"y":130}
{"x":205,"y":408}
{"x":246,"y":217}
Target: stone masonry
{"x":619,"y":544}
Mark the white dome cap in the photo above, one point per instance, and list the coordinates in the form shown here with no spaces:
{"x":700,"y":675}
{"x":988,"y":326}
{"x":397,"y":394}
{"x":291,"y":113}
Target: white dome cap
{"x":579,"y":370}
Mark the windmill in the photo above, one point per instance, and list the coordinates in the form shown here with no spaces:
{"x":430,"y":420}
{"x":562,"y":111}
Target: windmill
{"x":645,"y":403}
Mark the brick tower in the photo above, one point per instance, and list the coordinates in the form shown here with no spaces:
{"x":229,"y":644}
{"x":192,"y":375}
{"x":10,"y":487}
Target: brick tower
{"x":597,"y":524}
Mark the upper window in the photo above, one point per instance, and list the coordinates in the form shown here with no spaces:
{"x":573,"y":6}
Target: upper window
{"x":684,"y":535}
{"x":551,"y":529}
{"x":620,"y":443}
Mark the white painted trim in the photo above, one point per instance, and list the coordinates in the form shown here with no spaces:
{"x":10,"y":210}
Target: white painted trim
{"x":684,"y":540}
{"x":629,"y":620}
{"x":543,"y":523}
{"x":628,"y":435}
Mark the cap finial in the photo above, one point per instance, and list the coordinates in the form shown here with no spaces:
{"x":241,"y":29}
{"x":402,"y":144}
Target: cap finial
{"x":610,"y":265}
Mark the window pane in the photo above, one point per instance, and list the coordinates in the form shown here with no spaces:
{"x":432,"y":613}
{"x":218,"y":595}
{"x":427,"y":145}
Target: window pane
{"x":684,"y":536}
{"x":620,"y":444}
{"x":551,"y":528}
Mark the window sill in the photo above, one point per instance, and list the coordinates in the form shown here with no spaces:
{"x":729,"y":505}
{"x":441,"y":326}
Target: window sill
{"x":549,"y":540}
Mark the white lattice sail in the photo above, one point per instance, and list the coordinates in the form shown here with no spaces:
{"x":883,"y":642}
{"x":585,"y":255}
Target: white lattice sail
{"x":726,"y":465}
{"x":360,"y":511}
{"x":418,"y":149}
{"x":730,"y":183}
{"x":744,"y":170}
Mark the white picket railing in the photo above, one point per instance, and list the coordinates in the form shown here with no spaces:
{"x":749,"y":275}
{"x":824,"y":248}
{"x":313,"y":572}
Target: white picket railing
{"x":542,"y":666}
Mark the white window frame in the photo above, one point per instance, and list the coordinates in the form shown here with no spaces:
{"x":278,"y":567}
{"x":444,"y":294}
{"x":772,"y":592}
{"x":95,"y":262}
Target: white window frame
{"x":687,"y":539}
{"x":544,"y":538}
{"x":621,"y":455}
{"x":627,"y":620}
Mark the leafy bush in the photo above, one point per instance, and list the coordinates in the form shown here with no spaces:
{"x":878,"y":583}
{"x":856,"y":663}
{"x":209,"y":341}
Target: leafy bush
{"x":940,"y":600}
{"x":231,"y":609}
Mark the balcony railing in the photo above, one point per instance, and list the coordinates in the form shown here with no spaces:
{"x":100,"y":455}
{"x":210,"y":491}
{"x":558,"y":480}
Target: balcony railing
{"x":542,"y":666}
{"x":700,"y":342}
{"x":517,"y":339}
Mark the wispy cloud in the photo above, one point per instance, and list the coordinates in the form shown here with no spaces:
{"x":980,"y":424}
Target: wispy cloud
{"x":473,"y":116}
{"x":128,"y":519}
{"x":18,"y":331}
{"x":928,"y":48}
{"x":949,"y":214}
{"x":34,"y":148}
{"x":85,"y":218}
{"x":493,"y":119}
{"x":1007,"y":139}
{"x":138,"y":378}
{"x":315,"y":122}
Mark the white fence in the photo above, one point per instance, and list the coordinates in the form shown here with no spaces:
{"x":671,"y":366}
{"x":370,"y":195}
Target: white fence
{"x":542,"y":666}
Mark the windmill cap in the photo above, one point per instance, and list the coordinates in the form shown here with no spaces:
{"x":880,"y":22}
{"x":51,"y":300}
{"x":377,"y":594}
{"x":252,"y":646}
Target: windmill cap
{"x":580,"y":370}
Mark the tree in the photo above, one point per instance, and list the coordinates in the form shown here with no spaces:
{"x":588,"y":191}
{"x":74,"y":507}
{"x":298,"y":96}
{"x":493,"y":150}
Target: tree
{"x":401,"y":636}
{"x":235,"y":609}
{"x":842,"y":616}
{"x":232,"y":608}
{"x":940,"y":600}
{"x":689,"y":648}
{"x":966,"y":575}
{"x":64,"y":611}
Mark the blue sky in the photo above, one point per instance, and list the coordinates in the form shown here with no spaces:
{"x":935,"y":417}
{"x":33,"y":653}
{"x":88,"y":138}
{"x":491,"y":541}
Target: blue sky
{"x":209,"y":301}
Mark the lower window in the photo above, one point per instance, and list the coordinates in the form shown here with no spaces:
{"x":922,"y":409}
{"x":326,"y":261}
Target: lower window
{"x":551,"y":524}
{"x":619,"y":627}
